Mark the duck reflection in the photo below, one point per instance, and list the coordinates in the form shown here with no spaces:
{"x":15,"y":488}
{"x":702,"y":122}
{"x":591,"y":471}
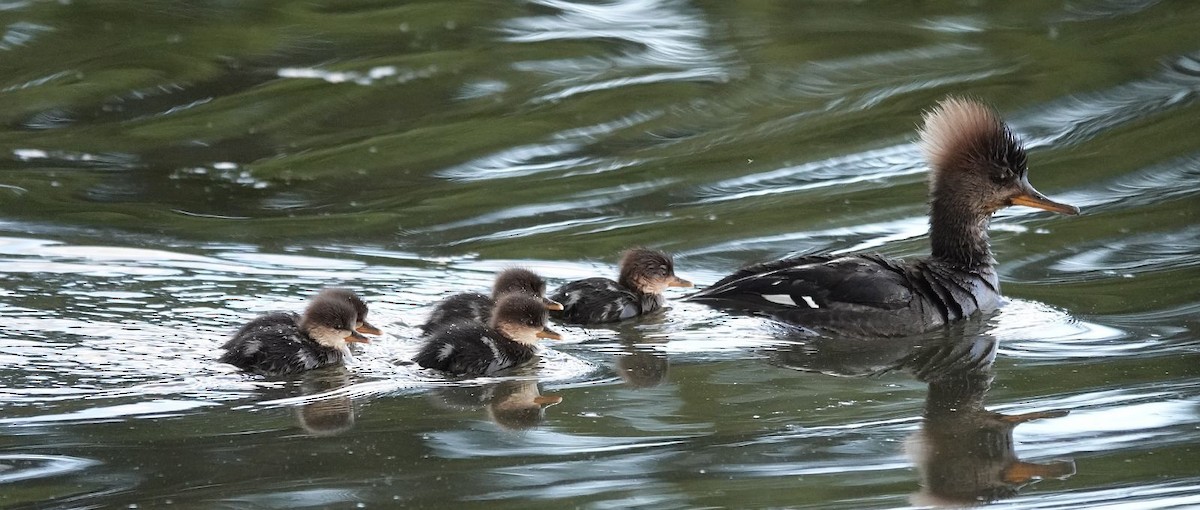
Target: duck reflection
{"x":511,"y":404}
{"x":330,"y":415}
{"x":963,"y":452}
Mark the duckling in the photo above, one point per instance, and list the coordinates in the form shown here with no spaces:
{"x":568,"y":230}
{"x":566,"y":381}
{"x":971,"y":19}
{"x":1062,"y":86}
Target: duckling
{"x":282,"y":343}
{"x":478,"y":307}
{"x":470,"y":348}
{"x":977,"y":168}
{"x":645,"y":274}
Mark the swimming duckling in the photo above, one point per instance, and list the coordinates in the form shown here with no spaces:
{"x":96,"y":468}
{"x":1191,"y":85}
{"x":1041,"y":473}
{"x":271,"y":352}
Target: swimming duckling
{"x":645,"y":274}
{"x":283,"y":343}
{"x":478,"y":307}
{"x":977,"y":167}
{"x":471,"y":348}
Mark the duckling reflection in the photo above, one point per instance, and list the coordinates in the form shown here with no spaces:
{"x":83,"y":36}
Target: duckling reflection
{"x":511,"y":404}
{"x":963,"y":452}
{"x":325,"y":416}
{"x":640,"y":366}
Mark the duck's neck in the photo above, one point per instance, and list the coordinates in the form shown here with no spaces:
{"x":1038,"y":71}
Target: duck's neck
{"x":959,"y":234}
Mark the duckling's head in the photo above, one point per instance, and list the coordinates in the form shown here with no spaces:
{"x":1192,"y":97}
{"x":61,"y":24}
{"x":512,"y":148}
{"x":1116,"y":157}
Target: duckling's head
{"x":978,"y":165}
{"x":331,"y":321}
{"x":649,"y":271}
{"x":360,"y":308}
{"x":523,"y":281}
{"x":522,"y":318}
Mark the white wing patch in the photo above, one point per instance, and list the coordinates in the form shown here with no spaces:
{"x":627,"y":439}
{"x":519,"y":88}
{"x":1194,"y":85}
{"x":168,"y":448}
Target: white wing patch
{"x":780,"y":299}
{"x":786,"y":300}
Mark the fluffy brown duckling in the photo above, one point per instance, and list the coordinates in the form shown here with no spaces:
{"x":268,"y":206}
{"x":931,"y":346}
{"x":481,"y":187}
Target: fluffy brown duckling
{"x":478,"y":307}
{"x":281,"y":343}
{"x":470,"y":348}
{"x":645,"y":274}
{"x":977,"y":168}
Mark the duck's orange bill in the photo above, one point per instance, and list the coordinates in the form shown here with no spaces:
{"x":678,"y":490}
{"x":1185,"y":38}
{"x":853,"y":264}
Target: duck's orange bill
{"x":552,"y":304}
{"x":1031,"y":198}
{"x":355,"y":337}
{"x":1024,"y":472}
{"x":368,"y":329}
{"x":547,"y":400}
{"x":678,"y":282}
{"x":548,"y":333}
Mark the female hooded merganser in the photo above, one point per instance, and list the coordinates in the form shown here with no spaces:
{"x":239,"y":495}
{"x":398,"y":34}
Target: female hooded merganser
{"x":478,"y":307}
{"x":645,"y":274}
{"x":282,"y":343}
{"x":977,"y":168}
{"x":471,"y":348}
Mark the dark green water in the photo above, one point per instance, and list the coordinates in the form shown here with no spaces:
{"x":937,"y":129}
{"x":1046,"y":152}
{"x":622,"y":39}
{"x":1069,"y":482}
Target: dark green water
{"x":170,"y":169}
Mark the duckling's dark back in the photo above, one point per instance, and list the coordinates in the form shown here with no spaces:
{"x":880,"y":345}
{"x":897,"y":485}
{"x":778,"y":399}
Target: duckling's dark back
{"x":467,"y":306}
{"x":471,"y":348}
{"x":600,"y":300}
{"x":273,"y":344}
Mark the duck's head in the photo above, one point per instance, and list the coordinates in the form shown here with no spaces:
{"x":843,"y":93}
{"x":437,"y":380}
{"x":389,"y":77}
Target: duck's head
{"x":332,"y":321}
{"x":523,"y":281}
{"x":522,"y":318}
{"x":976,"y":160}
{"x":360,"y":308}
{"x":649,"y":271}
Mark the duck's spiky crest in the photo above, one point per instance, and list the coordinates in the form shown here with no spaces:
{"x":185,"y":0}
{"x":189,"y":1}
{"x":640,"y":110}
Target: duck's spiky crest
{"x":959,"y":131}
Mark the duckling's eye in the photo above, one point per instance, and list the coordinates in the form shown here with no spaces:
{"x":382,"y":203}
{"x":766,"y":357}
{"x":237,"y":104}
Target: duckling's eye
{"x":662,"y":270}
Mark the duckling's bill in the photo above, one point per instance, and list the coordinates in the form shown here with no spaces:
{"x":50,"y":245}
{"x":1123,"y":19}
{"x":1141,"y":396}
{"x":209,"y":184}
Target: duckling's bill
{"x":552,"y":304}
{"x":678,"y":282}
{"x":356,"y":337}
{"x":549,"y":333}
{"x":368,"y":329}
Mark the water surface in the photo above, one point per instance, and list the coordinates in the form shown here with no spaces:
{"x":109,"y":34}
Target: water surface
{"x":170,"y":170}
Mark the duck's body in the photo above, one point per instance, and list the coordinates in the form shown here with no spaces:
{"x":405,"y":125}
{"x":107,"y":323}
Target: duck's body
{"x":477,"y":308}
{"x":470,"y":348}
{"x":978,"y":167}
{"x":282,"y":343}
{"x":860,"y":295}
{"x":644,"y":276}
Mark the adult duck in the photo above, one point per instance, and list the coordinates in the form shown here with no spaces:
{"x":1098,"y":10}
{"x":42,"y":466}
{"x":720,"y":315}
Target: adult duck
{"x":977,"y":167}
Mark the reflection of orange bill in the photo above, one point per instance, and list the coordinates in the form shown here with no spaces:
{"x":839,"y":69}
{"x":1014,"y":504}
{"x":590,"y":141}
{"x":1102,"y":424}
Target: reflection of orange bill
{"x":355,"y":337}
{"x":1022,"y":418}
{"x":1023,"y":472}
{"x":547,"y":400}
